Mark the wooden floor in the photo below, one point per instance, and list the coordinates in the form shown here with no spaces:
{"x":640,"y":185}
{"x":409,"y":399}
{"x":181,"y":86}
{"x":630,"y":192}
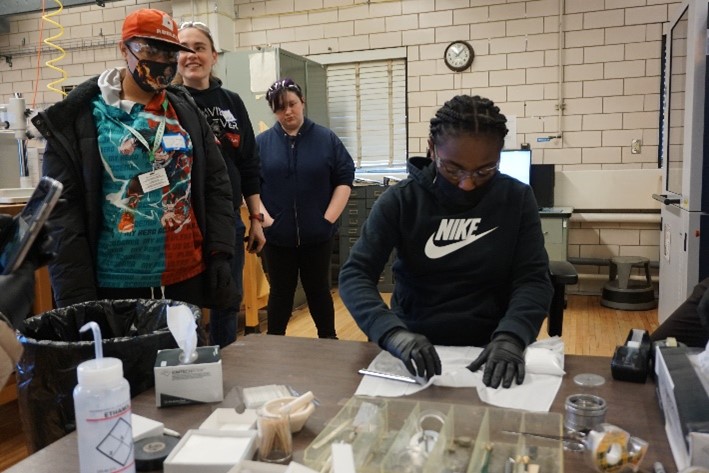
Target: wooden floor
{"x":589,"y":329}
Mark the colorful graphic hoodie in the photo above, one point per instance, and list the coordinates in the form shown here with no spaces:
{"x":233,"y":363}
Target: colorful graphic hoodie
{"x":149,"y":236}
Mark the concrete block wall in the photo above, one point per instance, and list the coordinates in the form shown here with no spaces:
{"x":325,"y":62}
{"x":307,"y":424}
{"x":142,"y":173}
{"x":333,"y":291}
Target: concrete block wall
{"x":89,"y":39}
{"x":610,"y":57}
{"x":603,"y":240}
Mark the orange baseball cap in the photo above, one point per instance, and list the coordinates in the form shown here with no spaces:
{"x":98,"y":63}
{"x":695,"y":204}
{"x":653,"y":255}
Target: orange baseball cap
{"x":152,"y":24}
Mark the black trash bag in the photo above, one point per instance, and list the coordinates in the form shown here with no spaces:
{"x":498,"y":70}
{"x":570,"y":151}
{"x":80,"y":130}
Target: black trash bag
{"x":132,"y":330}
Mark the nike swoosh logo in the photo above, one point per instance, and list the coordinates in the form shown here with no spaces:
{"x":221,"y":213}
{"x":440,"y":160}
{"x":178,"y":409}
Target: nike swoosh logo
{"x":434,"y":252}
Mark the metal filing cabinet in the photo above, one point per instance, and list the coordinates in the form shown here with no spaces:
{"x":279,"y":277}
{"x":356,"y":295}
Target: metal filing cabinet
{"x":351,"y":221}
{"x":360,"y":203}
{"x":251,"y":73}
{"x":555,"y":226}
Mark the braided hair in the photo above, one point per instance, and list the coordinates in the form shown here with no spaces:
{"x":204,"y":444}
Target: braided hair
{"x":472,"y":115}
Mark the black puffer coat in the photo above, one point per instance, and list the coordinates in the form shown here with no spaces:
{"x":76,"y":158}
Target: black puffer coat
{"x":72,"y":157}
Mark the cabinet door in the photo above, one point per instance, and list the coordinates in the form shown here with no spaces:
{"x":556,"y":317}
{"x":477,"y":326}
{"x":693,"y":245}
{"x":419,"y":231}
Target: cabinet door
{"x":554,"y":230}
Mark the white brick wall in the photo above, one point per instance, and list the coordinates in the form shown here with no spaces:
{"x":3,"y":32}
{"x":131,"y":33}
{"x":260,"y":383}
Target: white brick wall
{"x":611,"y":61}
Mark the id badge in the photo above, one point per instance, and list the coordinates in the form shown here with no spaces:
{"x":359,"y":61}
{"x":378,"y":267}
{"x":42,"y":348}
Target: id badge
{"x":228,"y":116}
{"x":173,"y":142}
{"x":153,"y":180}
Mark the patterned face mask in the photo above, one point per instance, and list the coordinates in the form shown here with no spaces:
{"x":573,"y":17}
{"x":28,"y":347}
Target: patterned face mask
{"x":152,"y":76}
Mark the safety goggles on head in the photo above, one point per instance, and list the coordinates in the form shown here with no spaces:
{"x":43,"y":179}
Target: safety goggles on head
{"x":279,"y":85}
{"x":153,"y":51}
{"x":196,"y":24}
{"x":459,"y":174}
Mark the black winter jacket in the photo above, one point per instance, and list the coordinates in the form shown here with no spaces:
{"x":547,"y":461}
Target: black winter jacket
{"x":72,"y":157}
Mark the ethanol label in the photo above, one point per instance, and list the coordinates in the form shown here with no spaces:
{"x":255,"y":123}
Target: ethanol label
{"x":107,"y":440}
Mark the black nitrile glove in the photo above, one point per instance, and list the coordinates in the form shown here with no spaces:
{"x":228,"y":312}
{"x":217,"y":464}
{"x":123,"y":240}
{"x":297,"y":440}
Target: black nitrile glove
{"x":503,"y":358}
{"x":7,"y":230}
{"x":5,"y":226}
{"x":219,"y":271}
{"x":17,"y":288}
{"x":408,"y":347}
{"x":221,"y":288}
{"x":43,"y":249}
{"x":17,"y":294}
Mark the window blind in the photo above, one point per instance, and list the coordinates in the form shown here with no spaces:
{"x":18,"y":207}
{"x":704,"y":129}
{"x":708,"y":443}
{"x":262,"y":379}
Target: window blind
{"x":367,"y":108}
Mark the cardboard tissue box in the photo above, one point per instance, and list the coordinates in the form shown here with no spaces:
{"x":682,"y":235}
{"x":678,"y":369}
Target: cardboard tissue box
{"x":211,"y":451}
{"x":194,"y":383}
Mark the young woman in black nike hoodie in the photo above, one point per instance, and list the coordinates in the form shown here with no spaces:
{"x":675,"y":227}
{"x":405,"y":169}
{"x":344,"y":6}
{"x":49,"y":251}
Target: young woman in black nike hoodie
{"x":470,"y":267}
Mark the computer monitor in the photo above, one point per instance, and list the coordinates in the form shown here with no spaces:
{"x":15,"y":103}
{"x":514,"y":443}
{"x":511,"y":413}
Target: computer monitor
{"x":542,"y":181}
{"x":516,"y":163}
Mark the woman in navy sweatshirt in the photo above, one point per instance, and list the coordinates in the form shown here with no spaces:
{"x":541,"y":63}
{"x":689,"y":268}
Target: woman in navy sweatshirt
{"x":306,"y":179}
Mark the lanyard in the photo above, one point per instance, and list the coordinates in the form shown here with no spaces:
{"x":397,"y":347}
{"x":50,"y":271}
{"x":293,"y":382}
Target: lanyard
{"x":158,"y":134}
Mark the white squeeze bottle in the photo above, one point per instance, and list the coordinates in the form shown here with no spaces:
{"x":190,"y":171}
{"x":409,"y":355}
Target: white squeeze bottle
{"x":103,"y":415}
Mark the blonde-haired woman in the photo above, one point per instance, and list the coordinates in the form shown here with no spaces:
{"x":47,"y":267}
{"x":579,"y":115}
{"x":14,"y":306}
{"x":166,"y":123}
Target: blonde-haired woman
{"x":227,"y":115}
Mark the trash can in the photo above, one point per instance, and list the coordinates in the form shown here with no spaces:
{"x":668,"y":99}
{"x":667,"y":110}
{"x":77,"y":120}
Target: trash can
{"x":132,"y":330}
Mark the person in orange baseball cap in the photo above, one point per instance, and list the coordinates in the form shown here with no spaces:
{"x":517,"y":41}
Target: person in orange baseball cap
{"x":152,"y":35}
{"x":148,"y":204}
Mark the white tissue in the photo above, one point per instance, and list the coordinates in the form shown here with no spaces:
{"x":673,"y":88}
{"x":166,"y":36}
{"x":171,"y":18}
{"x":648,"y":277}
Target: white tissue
{"x":183,"y":327}
{"x":545,"y":357}
{"x":536,"y":393}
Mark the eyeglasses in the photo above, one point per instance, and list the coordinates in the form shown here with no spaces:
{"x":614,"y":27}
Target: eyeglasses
{"x":459,"y":174}
{"x":196,"y":24}
{"x":153,"y":52}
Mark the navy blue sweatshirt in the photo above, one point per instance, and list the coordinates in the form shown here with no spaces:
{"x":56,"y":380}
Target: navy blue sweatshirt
{"x":298,"y":177}
{"x":462,"y":273}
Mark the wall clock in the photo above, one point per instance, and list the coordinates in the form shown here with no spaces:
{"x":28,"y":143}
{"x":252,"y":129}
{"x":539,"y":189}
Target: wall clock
{"x":459,"y":56}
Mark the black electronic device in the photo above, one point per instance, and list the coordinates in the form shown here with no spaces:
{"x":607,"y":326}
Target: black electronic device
{"x":28,"y":224}
{"x":542,"y":181}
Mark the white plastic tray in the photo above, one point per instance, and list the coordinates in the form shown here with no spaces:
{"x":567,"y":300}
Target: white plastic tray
{"x":211,"y":451}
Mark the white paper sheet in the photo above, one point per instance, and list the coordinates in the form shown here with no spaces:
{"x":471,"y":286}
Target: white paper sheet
{"x":536,"y":393}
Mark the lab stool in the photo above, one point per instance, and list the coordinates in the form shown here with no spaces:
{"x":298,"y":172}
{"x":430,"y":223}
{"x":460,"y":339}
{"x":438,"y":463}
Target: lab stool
{"x":620,"y":292}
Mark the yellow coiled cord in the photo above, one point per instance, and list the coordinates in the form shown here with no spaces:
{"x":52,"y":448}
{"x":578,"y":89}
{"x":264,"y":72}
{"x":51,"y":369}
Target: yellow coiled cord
{"x":48,"y":41}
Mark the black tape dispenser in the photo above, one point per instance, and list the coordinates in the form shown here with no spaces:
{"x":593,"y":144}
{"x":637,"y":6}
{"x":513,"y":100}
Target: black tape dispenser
{"x":631,"y":361}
